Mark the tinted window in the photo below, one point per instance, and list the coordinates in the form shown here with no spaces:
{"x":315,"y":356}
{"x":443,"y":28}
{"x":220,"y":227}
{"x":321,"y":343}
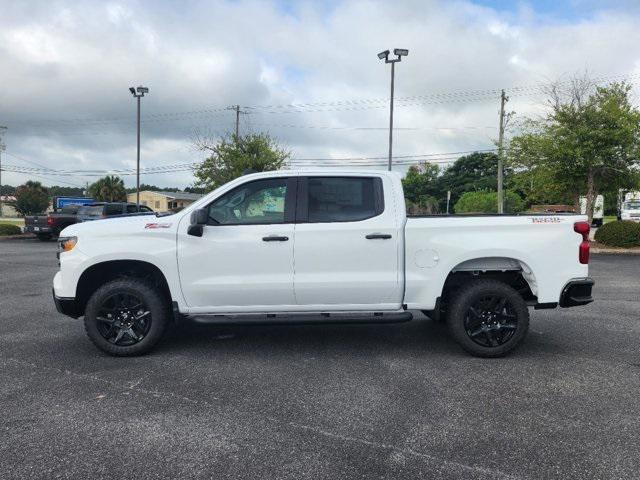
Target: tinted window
{"x":70,"y":209}
{"x":145,"y":209}
{"x":256,"y":202}
{"x":113,"y":209}
{"x":92,"y":211}
{"x":342,"y":199}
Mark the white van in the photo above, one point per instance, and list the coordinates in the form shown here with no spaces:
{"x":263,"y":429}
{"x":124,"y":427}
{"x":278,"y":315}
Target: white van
{"x":598,"y":210}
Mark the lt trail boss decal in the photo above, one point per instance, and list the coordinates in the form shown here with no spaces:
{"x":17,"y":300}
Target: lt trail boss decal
{"x":545,"y":220}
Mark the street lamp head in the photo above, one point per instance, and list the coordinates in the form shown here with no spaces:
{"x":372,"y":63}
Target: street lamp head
{"x":401,"y":52}
{"x":383,"y":55}
{"x":143,"y":90}
{"x":133,"y":91}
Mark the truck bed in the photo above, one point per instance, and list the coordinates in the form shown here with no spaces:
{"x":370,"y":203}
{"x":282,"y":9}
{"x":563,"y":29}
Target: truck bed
{"x":437,"y":245}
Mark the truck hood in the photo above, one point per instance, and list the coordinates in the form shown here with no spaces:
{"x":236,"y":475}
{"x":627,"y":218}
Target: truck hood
{"x":121,"y":226}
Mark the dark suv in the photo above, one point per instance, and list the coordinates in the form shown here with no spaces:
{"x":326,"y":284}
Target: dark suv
{"x":98,"y":210}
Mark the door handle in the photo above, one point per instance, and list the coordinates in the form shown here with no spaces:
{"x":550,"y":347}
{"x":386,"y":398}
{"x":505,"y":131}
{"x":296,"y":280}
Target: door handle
{"x":274,"y":238}
{"x":378,"y":236}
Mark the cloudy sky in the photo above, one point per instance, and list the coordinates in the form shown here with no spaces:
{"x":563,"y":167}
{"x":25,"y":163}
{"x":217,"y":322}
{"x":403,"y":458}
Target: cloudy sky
{"x":66,"y":66}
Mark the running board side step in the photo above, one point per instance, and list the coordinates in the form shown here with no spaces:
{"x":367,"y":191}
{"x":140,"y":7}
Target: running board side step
{"x":303,"y":318}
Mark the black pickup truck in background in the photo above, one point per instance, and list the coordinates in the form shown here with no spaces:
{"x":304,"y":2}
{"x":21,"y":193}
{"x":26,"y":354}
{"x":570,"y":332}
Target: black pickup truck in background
{"x":98,"y":210}
{"x":47,"y":226}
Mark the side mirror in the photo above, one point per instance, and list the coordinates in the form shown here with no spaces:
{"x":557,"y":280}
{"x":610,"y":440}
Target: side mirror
{"x":200,"y":217}
{"x":198,"y":221}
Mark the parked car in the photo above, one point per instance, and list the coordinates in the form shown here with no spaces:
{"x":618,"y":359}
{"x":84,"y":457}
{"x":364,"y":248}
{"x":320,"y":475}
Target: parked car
{"x":630,"y":210}
{"x":98,"y":210}
{"x":47,"y":226}
{"x":319,"y":246}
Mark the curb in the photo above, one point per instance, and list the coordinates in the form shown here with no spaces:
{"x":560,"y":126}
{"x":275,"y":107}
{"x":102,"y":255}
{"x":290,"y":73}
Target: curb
{"x":22,"y":236}
{"x":615,"y":251}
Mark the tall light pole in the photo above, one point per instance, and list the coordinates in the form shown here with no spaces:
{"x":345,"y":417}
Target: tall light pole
{"x":138,"y":93}
{"x":399,"y":53}
{"x":2,"y":147}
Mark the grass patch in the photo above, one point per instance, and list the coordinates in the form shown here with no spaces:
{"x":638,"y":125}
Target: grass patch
{"x":9,"y":229}
{"x":13,"y":221}
{"x":609,"y":218}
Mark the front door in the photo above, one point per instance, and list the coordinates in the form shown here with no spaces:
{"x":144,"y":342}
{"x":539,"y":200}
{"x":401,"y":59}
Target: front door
{"x":348,"y":244}
{"x":244,"y":260}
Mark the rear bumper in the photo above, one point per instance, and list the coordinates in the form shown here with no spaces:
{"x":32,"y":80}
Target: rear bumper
{"x":43,"y":229}
{"x":67,"y":306}
{"x":577,"y":292}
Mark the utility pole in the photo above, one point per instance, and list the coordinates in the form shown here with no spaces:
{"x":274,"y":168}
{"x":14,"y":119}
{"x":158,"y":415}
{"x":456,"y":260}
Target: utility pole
{"x":2,"y":147}
{"x":138,"y":93}
{"x":236,"y":108}
{"x":503,"y":100}
{"x":399,"y":53}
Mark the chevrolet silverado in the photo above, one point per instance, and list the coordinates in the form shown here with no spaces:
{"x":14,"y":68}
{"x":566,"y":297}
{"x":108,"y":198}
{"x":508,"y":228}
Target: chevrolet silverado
{"x":319,"y":246}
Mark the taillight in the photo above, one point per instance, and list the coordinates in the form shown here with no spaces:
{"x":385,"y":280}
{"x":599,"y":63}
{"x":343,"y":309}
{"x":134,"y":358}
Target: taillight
{"x":50,"y":221}
{"x":583,"y":250}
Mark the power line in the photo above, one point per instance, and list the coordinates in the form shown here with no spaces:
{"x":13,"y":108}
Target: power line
{"x":463,"y":96}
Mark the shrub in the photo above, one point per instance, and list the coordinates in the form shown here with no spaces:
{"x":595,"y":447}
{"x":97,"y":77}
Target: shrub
{"x":487,"y":202}
{"x":619,"y":234}
{"x":8,"y":229}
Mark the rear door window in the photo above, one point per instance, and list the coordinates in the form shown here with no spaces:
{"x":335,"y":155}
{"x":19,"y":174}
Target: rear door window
{"x":91,"y":211}
{"x":343,"y":199}
{"x":113,"y":209}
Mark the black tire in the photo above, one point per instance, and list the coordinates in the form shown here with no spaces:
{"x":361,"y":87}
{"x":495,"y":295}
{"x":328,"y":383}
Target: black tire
{"x":44,"y":237}
{"x":484,"y":328}
{"x":143,"y":323}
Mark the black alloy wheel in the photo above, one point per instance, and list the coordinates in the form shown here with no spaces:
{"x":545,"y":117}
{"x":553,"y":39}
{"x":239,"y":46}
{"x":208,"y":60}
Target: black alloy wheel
{"x":123,"y":319}
{"x":491,"y":321}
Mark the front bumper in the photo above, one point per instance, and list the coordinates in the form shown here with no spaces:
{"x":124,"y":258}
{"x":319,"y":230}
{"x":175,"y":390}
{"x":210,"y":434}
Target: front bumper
{"x":67,"y":306}
{"x":577,"y":292}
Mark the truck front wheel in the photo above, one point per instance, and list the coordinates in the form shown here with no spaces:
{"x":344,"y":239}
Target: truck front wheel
{"x":488,"y":318}
{"x":126,"y":317}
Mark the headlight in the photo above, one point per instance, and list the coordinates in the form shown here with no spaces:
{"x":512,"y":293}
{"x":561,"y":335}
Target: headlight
{"x":66,"y":244}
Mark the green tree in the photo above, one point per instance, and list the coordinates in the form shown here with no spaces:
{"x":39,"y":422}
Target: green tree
{"x":587,"y":143}
{"x":108,"y":189}
{"x":231,"y":156}
{"x":423,"y":189}
{"x":31,"y":198}
{"x":474,"y":172}
{"x":487,"y":202}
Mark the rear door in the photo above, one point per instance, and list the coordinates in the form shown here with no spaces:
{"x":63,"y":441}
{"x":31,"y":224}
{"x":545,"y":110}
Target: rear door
{"x":348,"y":244}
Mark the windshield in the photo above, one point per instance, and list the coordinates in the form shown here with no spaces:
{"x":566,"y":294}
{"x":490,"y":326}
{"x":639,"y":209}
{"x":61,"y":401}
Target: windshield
{"x":635,"y":205}
{"x":91,"y":210}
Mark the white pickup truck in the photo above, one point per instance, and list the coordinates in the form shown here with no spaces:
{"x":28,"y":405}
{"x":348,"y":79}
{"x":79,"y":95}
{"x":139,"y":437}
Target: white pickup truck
{"x":318,"y":246}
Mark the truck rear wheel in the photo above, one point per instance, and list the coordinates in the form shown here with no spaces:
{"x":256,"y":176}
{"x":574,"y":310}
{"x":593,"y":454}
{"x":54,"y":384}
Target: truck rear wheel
{"x":126,"y":317}
{"x":488,"y":318}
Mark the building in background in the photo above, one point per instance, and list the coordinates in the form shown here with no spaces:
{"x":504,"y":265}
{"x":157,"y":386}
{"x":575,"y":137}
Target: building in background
{"x":164,"y":201}
{"x":8,"y":209}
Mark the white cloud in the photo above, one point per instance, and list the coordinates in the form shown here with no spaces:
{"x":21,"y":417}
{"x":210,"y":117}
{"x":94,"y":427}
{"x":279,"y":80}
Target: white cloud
{"x":76,"y":60}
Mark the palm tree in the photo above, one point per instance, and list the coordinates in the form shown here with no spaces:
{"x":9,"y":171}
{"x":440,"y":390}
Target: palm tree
{"x":108,"y":189}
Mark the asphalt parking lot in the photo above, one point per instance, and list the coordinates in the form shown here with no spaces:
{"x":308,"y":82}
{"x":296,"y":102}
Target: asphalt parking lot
{"x":372,"y":401}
